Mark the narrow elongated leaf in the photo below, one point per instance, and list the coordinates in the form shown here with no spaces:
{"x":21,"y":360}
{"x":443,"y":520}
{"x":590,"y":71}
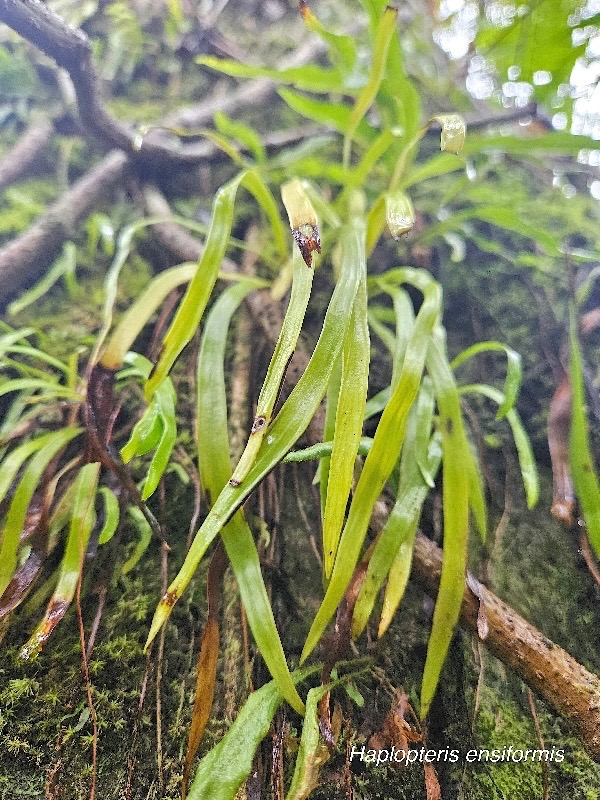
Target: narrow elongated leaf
{"x":477,"y":501}
{"x":64,"y":266}
{"x":404,"y":517}
{"x":124,"y":244}
{"x":514,"y":370}
{"x":15,"y":460}
{"x":291,"y":422}
{"x":399,"y":572}
{"x":375,"y":223}
{"x":200,"y":288}
{"x":551,"y":142}
{"x":359,"y":175}
{"x":501,"y":216}
{"x":155,"y":429}
{"x":50,"y":388}
{"x":333,"y":391}
{"x":374,"y":8}
{"x":206,"y":674}
{"x":585,"y":477}
{"x":383,"y":37}
{"x":213,"y":454}
{"x":349,"y":418}
{"x":25,"y":368}
{"x":312,"y":753}
{"x":33,"y":354}
{"x":384,"y":452}
{"x":112,"y":514}
{"x":145,"y":531}
{"x":82,"y":521}
{"x":12,"y":336}
{"x":227,"y":765}
{"x":244,"y":134}
{"x":440,"y":164}
{"x":145,"y":434}
{"x":342,"y":49}
{"x":456,"y":521}
{"x":165,"y":398}
{"x":138,"y":315}
{"x":310,"y":76}
{"x":194,"y":302}
{"x":522,"y":443}
{"x":334,"y":115}
{"x":284,"y":349}
{"x":17,"y":512}
{"x":398,"y":576}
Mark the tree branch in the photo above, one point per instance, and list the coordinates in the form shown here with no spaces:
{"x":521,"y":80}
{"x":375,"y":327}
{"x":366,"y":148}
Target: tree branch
{"x":26,"y":256}
{"x":70,"y":48}
{"x":567,"y":686}
{"x":26,"y":151}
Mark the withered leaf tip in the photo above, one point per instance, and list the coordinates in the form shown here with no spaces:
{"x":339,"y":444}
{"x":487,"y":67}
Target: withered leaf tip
{"x":308,"y":240}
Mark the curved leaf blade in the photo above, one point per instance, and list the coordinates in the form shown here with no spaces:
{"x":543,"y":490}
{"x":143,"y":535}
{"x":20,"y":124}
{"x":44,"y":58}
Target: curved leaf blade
{"x":17,"y":512}
{"x":213,"y":454}
{"x":291,"y":422}
{"x":585,"y":477}
{"x":382,"y":457}
{"x":82,"y":521}
{"x":456,"y":521}
{"x":351,"y":401}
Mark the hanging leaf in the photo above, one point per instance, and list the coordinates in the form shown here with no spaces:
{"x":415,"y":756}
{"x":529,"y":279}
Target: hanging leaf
{"x":384,"y":452}
{"x":302,"y":216}
{"x":522,"y":443}
{"x":585,"y":477}
{"x":82,"y":521}
{"x":514,"y":370}
{"x":383,"y":37}
{"x":291,"y":422}
{"x":349,"y":405}
{"x":47,"y":447}
{"x":194,"y":302}
{"x":402,"y":523}
{"x":215,"y":470}
{"x":456,"y":520}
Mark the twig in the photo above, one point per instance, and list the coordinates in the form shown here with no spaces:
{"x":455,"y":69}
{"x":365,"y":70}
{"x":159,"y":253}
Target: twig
{"x":131,"y":761}
{"x":71,"y":49}
{"x":540,"y":738}
{"x":88,"y":685}
{"x":159,"y":671}
{"x":588,"y":556}
{"x":25,"y":257}
{"x":26,"y":151}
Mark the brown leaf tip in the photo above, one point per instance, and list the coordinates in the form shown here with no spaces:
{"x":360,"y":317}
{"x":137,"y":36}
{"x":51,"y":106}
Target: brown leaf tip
{"x":308,"y":240}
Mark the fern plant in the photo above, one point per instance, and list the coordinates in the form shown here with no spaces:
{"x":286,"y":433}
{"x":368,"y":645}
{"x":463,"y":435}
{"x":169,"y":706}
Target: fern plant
{"x":74,"y":474}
